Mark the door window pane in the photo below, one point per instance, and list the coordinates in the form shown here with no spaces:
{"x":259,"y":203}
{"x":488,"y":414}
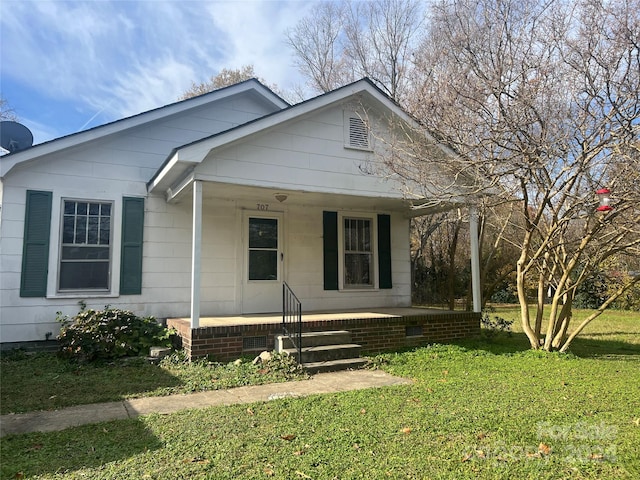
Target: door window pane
{"x":263,"y":233}
{"x":263,"y":265}
{"x":263,"y":249}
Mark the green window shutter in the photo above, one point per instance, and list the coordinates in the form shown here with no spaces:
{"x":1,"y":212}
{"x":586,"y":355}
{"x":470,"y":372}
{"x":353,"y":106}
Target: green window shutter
{"x":131,"y":252}
{"x":384,"y":250}
{"x":35,"y":247}
{"x":330,"y":249}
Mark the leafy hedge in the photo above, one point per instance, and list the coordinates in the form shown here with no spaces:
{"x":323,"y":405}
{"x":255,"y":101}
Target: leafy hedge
{"x":108,"y":334}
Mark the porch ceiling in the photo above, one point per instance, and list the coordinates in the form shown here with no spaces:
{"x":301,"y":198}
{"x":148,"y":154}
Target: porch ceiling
{"x":216,"y":190}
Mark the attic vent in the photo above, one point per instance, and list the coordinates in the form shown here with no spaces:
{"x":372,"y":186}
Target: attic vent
{"x":358,"y":133}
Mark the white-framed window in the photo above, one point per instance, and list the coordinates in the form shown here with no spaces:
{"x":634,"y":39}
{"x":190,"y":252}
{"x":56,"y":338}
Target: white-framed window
{"x":358,"y":252}
{"x":85,"y":255}
{"x":356,"y":132}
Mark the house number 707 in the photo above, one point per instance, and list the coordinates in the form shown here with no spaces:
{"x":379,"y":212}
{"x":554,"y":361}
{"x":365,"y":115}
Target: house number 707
{"x":263,"y":206}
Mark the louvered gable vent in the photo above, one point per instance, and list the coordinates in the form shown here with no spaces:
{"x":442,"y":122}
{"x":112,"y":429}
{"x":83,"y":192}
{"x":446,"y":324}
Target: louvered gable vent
{"x":358,"y":133}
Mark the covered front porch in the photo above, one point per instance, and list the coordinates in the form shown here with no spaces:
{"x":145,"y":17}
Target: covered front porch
{"x":225,"y":338}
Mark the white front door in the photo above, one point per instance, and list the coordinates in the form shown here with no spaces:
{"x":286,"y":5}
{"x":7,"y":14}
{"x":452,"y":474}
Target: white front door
{"x":263,"y":265}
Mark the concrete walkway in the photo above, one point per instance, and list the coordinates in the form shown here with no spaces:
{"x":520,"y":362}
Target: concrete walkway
{"x":49,"y":421}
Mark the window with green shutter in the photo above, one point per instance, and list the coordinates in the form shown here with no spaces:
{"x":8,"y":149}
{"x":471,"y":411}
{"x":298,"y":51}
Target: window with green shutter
{"x":352,"y":249}
{"x":131,"y":255}
{"x":35,"y":249}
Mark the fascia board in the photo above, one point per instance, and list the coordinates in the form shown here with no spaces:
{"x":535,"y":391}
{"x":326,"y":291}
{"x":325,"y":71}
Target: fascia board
{"x":171,"y":162}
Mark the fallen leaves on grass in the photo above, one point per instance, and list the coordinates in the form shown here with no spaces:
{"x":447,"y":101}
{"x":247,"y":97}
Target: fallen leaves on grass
{"x":544,"y":449}
{"x":406,"y":430}
{"x":288,"y":437}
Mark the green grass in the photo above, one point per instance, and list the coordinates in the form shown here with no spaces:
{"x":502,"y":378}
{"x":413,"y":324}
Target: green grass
{"x":478,"y":409}
{"x":54,"y":383}
{"x":615,"y":332}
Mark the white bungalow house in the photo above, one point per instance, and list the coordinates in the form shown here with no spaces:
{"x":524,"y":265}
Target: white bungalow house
{"x":201,"y":209}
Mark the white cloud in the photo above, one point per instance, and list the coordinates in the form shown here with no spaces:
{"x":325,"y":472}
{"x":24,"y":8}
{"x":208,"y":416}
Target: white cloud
{"x":110,"y":59}
{"x":254,"y":33}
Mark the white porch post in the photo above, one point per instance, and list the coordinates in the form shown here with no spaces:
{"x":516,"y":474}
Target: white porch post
{"x":196,"y":251}
{"x":475,"y":259}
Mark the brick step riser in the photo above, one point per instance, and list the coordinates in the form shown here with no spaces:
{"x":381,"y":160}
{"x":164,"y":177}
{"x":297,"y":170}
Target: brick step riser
{"x":314,"y":339}
{"x":322,"y":355}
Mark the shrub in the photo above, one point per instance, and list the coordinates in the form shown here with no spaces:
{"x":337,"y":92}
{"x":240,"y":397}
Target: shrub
{"x":490,"y":327}
{"x":108,"y":334}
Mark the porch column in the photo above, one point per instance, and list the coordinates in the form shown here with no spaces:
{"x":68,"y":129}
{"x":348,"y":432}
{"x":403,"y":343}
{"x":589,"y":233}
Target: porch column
{"x":475,"y":259}
{"x":196,"y":253}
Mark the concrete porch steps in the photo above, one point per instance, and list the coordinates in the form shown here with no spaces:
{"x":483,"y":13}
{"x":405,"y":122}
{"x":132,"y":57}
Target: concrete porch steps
{"x":324,"y":351}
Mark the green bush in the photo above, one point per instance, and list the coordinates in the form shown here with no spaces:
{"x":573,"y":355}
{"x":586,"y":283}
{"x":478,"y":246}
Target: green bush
{"x":108,"y":334}
{"x":490,"y":327}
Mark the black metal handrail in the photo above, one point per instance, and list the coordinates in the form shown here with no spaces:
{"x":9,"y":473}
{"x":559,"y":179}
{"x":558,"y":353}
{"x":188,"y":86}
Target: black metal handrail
{"x":292,"y":318}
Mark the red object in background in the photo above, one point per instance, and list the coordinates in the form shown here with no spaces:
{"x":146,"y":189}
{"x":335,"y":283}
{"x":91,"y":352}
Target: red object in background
{"x":605,"y":200}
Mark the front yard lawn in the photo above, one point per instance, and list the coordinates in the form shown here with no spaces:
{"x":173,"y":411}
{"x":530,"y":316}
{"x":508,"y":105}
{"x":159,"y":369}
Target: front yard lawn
{"x":45,"y":382}
{"x":478,"y":409}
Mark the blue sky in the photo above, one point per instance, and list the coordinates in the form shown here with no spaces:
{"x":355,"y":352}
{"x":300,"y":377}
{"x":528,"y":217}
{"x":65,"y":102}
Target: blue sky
{"x":66,"y":66}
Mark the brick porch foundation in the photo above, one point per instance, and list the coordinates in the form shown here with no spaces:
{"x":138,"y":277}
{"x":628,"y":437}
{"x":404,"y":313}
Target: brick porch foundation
{"x":376,"y":334}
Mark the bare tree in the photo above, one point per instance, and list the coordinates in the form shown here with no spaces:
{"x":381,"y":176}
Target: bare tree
{"x":226,"y":77}
{"x":341,"y":41}
{"x":381,"y":38}
{"x":541,"y":99}
{"x":318,"y":45}
{"x":6,"y":111}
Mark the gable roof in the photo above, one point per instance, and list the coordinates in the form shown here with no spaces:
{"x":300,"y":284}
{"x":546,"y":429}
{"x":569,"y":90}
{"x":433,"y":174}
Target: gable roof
{"x":183,"y":159}
{"x":252,"y":85}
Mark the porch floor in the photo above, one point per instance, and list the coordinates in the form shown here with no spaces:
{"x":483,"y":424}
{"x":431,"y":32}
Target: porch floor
{"x":314,"y":316}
